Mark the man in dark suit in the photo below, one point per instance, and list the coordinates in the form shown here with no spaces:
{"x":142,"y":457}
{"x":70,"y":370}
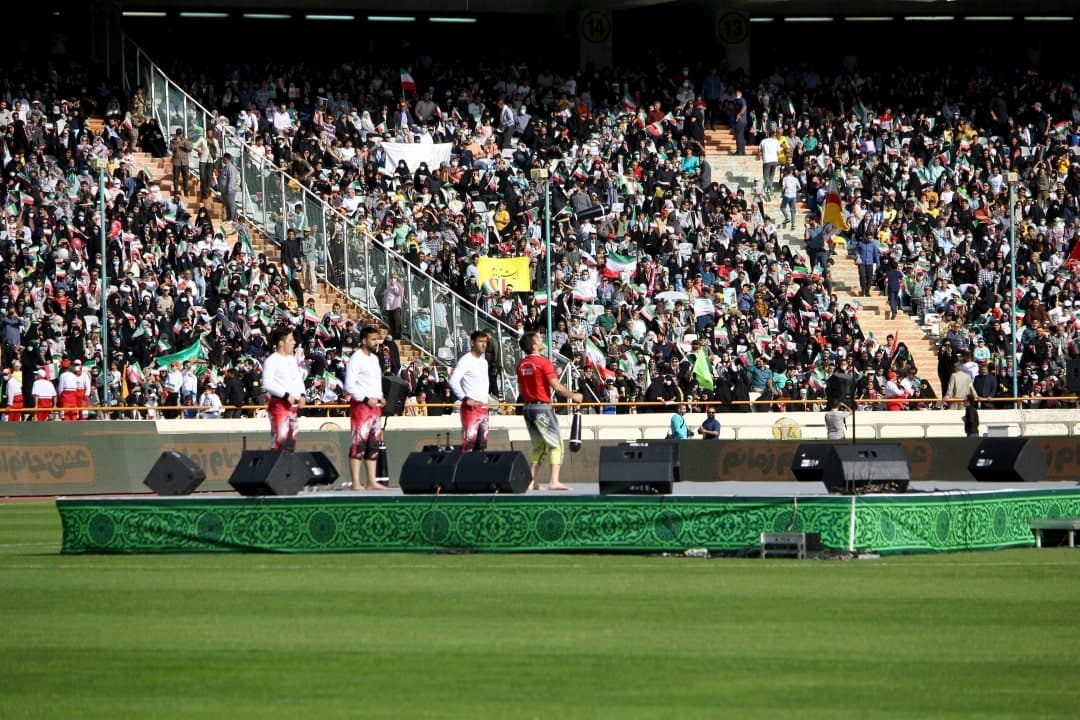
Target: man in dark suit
{"x":402,"y":118}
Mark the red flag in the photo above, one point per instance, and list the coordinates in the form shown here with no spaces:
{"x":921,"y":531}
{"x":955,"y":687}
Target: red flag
{"x":1074,"y":254}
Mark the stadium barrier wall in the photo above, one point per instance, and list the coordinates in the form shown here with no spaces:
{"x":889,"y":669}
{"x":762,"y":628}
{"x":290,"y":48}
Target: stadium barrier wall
{"x":105,"y":458}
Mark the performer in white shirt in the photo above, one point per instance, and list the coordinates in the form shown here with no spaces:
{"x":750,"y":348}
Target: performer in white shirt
{"x":44,"y":393}
{"x":68,"y":387}
{"x":469,"y":382}
{"x":284,"y":389}
{"x":14,"y":396}
{"x":363,"y":385}
{"x":82,"y":389}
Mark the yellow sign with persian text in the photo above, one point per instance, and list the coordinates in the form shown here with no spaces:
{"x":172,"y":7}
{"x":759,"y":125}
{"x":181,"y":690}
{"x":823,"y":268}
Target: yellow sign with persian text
{"x":503,"y":272}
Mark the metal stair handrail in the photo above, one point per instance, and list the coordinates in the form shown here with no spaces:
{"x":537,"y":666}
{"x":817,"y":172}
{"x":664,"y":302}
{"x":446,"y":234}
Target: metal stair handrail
{"x":434,"y":319}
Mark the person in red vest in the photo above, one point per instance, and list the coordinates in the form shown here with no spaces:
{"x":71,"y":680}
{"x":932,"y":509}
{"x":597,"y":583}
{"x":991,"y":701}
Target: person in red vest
{"x":44,"y":393}
{"x":13,"y":388}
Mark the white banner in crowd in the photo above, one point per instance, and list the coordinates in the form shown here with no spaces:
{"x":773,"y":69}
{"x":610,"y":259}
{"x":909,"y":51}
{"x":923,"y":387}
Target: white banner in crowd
{"x":415,"y":153}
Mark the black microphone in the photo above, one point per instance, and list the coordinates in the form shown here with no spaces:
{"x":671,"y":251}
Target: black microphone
{"x":575,"y":432}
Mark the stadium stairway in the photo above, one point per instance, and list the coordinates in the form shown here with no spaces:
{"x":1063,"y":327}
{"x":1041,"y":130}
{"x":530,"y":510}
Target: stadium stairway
{"x":740,"y":172}
{"x":160,"y":169}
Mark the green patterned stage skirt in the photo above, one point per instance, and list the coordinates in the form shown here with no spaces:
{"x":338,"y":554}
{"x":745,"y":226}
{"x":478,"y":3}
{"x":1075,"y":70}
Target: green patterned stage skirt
{"x":935,"y":522}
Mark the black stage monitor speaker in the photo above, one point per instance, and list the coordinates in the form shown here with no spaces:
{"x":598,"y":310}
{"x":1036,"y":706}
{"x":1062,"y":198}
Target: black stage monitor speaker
{"x":430,"y":471}
{"x":1072,"y":375}
{"x":639,"y":468}
{"x":808,"y":462}
{"x":1008,"y":459}
{"x":174,"y":473}
{"x":320,"y":470}
{"x":445,"y":469}
{"x":867,"y":467}
{"x":492,"y":472}
{"x":275,"y":472}
{"x":394,"y":390}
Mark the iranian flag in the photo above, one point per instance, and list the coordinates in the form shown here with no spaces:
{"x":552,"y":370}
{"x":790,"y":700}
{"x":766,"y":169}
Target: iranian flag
{"x":703,"y":307}
{"x":408,"y":85}
{"x":617,"y":264}
{"x":629,"y":184}
{"x":656,"y":129}
{"x":630,"y":363}
{"x":628,"y":103}
{"x":135,"y":373}
{"x":594,"y":354}
{"x":540,"y":299}
{"x":1060,"y":128}
{"x":594,"y":358}
{"x":493,"y":287}
{"x":245,"y":240}
{"x":310,"y":315}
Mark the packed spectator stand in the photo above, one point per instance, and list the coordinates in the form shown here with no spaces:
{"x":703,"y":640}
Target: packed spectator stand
{"x":667,"y":284}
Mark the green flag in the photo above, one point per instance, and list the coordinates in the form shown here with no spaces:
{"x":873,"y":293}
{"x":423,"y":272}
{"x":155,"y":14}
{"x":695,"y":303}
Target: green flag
{"x":702,"y":371}
{"x":195,"y":352}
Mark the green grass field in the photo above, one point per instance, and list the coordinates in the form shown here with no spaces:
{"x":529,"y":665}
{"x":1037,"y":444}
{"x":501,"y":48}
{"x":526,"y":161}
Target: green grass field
{"x":972,"y":635}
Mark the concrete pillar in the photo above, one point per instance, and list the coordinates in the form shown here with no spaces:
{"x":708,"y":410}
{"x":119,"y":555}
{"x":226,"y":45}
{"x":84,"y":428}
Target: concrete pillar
{"x":594,"y":30}
{"x":732,"y":28}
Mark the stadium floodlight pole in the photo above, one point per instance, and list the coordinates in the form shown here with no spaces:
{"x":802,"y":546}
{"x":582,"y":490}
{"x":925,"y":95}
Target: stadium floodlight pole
{"x":540,"y":175}
{"x":1011,"y":177}
{"x":104,"y":369}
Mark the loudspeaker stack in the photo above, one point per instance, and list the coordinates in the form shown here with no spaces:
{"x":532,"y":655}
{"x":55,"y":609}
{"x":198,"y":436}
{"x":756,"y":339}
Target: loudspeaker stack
{"x":440,"y":469}
{"x":853,"y":469}
{"x":639,"y":468}
{"x":276,"y":472}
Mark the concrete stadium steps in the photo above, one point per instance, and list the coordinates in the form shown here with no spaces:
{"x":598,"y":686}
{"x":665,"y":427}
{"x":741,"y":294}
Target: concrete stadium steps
{"x":324,"y":294}
{"x":740,"y":172}
{"x":722,"y":141}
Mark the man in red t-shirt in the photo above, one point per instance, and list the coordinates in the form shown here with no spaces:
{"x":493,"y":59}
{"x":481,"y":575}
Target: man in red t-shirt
{"x":536,"y":380}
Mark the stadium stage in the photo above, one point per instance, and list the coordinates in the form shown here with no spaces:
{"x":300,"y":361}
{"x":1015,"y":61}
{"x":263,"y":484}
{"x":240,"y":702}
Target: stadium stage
{"x":724,"y":517}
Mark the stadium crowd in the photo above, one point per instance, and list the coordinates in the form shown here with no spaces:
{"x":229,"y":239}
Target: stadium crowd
{"x":668,"y":285}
